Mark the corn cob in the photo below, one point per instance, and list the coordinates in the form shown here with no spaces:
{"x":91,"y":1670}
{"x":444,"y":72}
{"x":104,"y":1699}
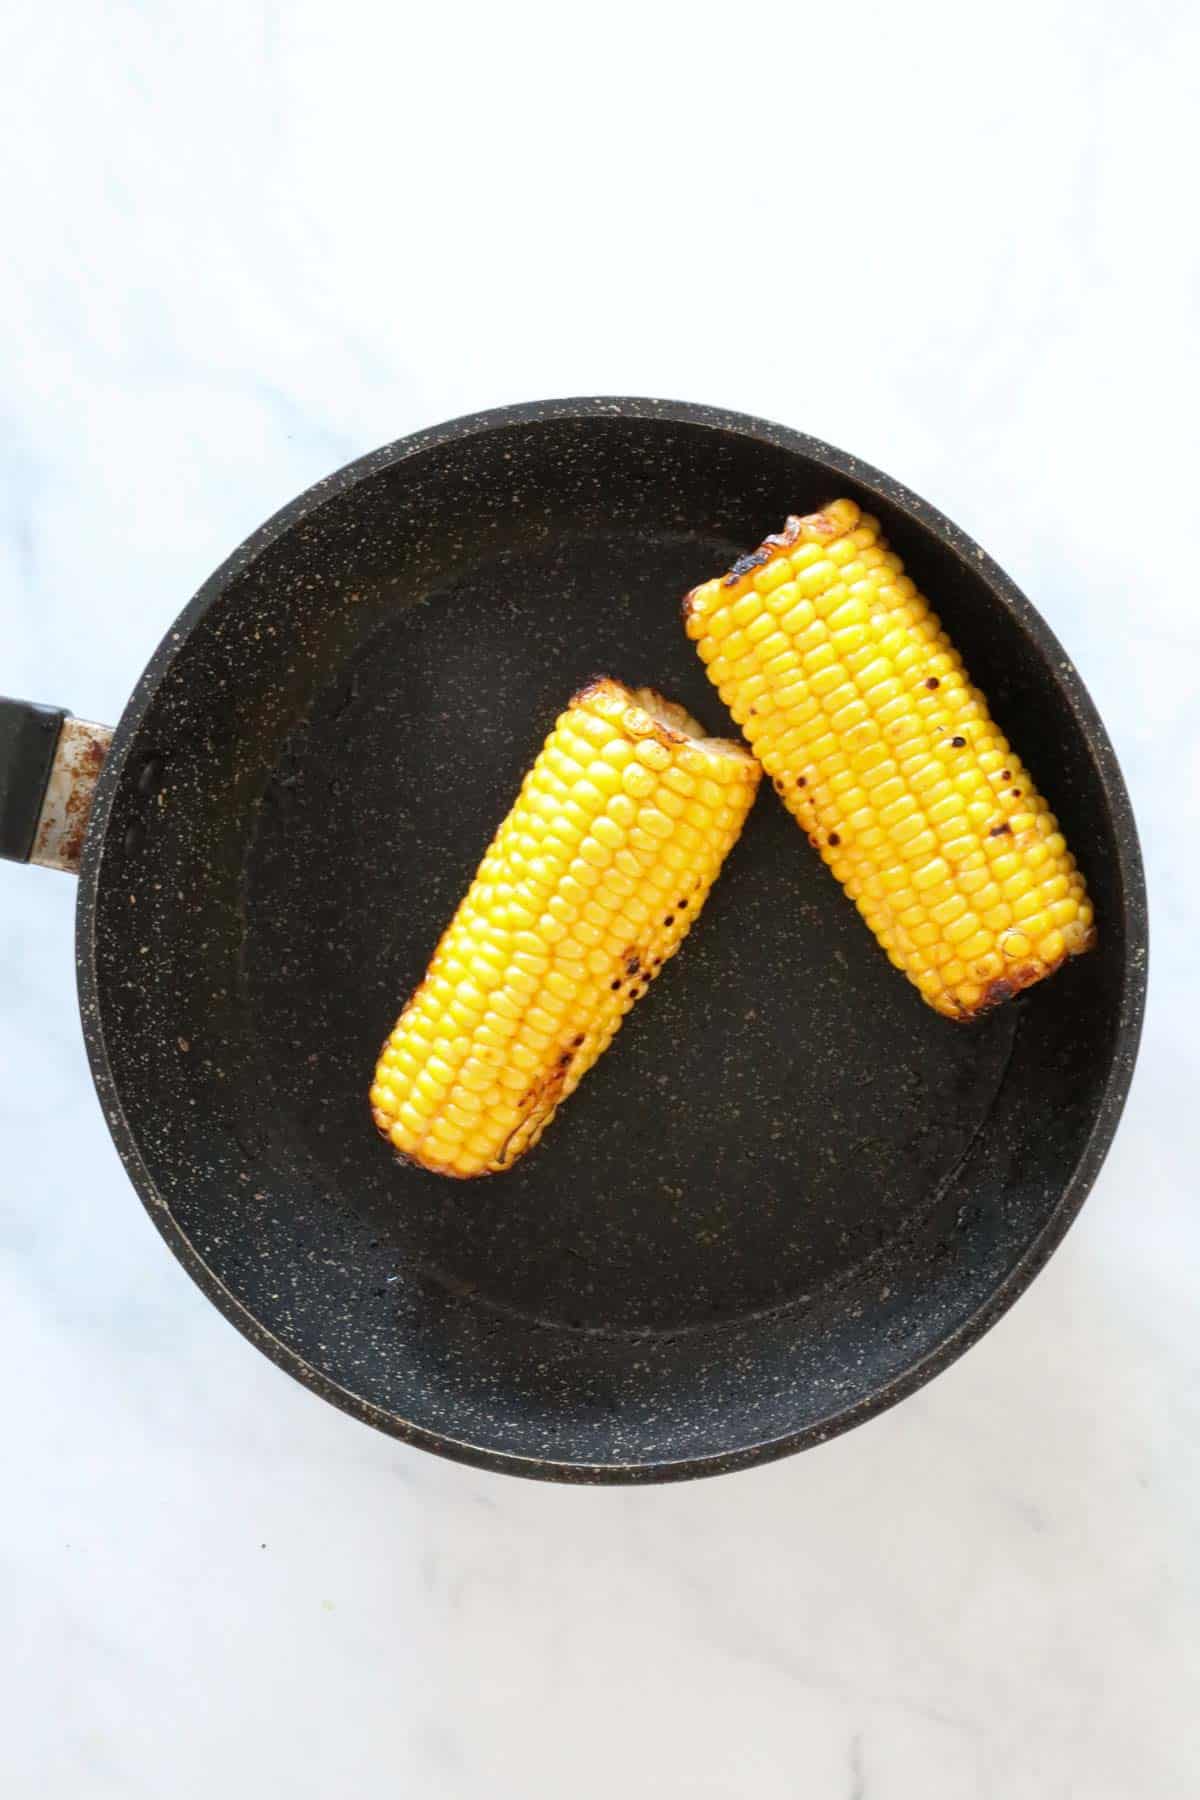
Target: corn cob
{"x":593,"y":880}
{"x":860,"y":710}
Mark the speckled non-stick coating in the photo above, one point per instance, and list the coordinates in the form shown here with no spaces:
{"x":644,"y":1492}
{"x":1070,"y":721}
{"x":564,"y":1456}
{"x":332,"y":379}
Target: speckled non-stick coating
{"x":789,"y":1191}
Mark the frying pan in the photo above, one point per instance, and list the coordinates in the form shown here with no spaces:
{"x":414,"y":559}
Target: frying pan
{"x":788,"y":1195}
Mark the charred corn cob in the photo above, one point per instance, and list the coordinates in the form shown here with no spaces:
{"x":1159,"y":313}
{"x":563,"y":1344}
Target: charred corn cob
{"x":590,"y":884}
{"x":859,"y":709}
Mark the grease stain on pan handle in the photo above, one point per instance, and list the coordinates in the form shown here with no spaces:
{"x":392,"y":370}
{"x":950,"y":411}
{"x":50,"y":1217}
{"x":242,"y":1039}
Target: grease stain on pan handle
{"x":49,"y":766}
{"x":67,"y":805}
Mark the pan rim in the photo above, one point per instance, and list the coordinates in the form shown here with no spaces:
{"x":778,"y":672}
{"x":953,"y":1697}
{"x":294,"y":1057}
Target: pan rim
{"x":1130,"y":885}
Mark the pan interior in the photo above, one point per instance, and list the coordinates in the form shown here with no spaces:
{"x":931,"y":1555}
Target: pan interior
{"x":774,"y":1109}
{"x":788,"y":1179}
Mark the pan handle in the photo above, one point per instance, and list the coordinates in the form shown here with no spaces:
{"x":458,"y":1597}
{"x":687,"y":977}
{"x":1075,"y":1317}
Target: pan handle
{"x":49,"y":765}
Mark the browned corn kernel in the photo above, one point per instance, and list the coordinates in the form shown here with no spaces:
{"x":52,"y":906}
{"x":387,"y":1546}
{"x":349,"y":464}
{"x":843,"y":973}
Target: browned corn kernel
{"x":859,"y":709}
{"x":590,"y":884}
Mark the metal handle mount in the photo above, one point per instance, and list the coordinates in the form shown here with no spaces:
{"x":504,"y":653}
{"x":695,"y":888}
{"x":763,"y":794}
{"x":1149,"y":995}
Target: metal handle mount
{"x":49,"y":766}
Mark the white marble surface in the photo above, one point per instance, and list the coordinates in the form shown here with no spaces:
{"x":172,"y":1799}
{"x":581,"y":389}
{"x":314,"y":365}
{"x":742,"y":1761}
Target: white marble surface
{"x":243,"y":243}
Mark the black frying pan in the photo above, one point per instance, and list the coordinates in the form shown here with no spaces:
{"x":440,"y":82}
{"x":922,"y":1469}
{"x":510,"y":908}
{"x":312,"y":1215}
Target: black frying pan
{"x":789,"y":1194}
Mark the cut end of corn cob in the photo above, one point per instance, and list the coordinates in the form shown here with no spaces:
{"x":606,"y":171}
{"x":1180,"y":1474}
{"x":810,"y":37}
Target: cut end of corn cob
{"x":590,"y":885}
{"x":859,"y":709}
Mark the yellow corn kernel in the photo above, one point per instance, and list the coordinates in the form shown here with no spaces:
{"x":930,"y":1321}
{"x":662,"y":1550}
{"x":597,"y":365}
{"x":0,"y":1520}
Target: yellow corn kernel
{"x":519,"y":1001}
{"x":886,"y":756}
